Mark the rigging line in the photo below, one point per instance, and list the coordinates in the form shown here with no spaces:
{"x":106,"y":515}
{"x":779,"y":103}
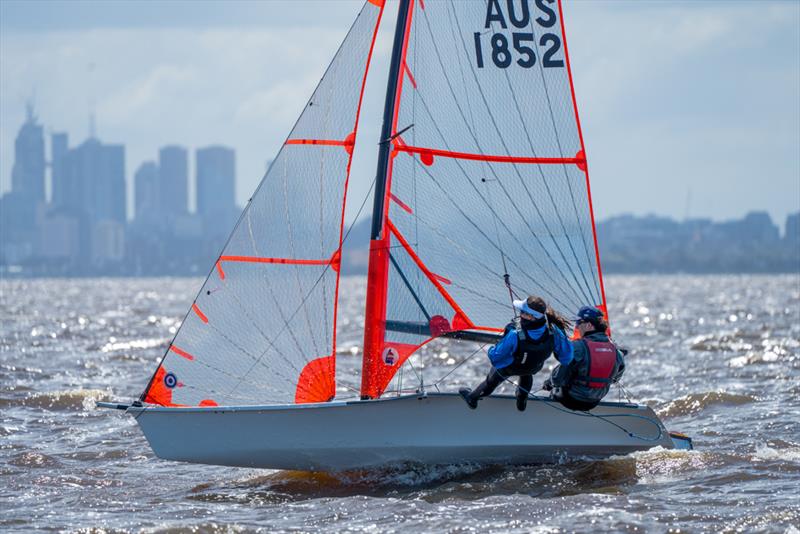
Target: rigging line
{"x":324,"y":270}
{"x":479,"y":295}
{"x":604,"y":418}
{"x":410,"y":289}
{"x":278,"y":306}
{"x":546,"y":182}
{"x":494,"y":173}
{"x":462,"y":362}
{"x":514,"y":166}
{"x":472,"y":257}
{"x":505,"y":226}
{"x":463,"y":77}
{"x":485,"y":236}
{"x":516,"y":170}
{"x":481,"y":232}
{"x":226,"y":373}
{"x":506,"y":276}
{"x":249,"y":202}
{"x":247,"y":353}
{"x":296,"y":267}
{"x":560,"y":149}
{"x":274,"y":299}
{"x":421,"y":383}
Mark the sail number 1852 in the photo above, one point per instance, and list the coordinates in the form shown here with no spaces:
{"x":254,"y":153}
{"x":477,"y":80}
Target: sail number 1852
{"x":518,"y":46}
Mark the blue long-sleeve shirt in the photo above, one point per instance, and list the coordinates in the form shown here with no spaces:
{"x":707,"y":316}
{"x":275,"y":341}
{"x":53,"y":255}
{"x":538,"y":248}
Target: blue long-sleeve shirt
{"x":502,"y":354}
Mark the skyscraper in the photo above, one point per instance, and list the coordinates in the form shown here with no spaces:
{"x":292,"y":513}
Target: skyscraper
{"x":146,"y":192}
{"x":216,"y":185}
{"x":59,"y":146}
{"x":94,"y":178}
{"x":27,"y":175}
{"x":173,"y":178}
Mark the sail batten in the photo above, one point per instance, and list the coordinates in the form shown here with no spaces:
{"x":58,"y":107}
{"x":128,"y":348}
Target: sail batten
{"x":487,"y":183}
{"x":263,"y":327}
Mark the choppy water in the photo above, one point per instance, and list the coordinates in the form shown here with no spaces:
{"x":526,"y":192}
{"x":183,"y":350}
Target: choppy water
{"x":717,"y":357}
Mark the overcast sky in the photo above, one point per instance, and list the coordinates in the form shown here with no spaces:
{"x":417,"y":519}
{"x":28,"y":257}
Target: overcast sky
{"x":687,"y":107}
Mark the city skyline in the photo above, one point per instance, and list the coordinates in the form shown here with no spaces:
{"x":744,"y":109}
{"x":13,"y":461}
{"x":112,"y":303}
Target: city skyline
{"x":667,"y":95}
{"x":81,"y":227}
{"x":83,"y":224}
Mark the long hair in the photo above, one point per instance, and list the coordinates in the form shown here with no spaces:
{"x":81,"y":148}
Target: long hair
{"x":553,"y":317}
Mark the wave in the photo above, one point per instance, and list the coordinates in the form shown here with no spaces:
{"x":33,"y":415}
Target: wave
{"x":697,"y":402}
{"x":33,"y":459}
{"x":765,"y":452}
{"x":78,"y":399}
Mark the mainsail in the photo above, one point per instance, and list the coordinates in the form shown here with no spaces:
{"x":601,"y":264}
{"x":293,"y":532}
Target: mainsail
{"x":482,"y":185}
{"x":263,"y":327}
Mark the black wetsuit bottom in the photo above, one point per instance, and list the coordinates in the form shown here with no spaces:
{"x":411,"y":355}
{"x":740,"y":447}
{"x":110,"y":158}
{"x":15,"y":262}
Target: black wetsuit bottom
{"x":567,"y":401}
{"x":496,"y":377}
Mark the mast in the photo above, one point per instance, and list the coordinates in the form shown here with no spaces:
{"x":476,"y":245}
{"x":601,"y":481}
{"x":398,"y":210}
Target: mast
{"x":379,"y":253}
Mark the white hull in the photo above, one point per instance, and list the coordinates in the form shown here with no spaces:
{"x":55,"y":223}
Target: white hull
{"x":433,"y":429}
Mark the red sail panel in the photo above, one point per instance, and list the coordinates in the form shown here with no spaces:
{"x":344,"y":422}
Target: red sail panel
{"x":262,"y":330}
{"x":491,"y":174}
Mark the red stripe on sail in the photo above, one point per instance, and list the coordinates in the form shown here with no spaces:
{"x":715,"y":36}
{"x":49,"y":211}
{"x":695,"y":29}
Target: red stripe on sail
{"x":181,"y":352}
{"x":410,"y":76}
{"x":199,"y":313}
{"x":427,"y":155}
{"x":326,"y":142}
{"x":442,"y":279}
{"x":582,"y":153}
{"x":400,"y":203}
{"x":348,"y":142}
{"x":432,"y":277}
{"x":256,"y":259}
{"x":220,"y":271}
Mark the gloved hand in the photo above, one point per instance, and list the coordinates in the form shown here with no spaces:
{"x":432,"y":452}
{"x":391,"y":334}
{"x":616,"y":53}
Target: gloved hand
{"x":548,"y":385}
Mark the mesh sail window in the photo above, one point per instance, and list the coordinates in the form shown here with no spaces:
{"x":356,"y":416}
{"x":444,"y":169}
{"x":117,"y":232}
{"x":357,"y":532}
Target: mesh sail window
{"x":262,"y":330}
{"x":488,"y":177}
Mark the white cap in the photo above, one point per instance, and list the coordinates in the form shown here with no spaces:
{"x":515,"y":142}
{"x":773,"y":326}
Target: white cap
{"x":522,"y":305}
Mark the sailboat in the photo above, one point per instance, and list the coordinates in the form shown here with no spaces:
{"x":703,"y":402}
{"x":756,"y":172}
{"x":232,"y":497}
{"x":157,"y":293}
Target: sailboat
{"x":481,"y":191}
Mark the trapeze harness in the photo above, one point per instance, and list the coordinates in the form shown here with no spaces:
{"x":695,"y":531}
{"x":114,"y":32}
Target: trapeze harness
{"x":530,"y":355}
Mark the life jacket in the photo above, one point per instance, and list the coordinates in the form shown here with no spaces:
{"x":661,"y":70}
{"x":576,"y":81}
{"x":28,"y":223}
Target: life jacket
{"x":602,"y":361}
{"x":532,"y":353}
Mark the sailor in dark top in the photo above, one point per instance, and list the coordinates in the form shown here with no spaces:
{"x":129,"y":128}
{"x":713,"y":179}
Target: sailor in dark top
{"x":597,"y":363}
{"x":523,"y":350}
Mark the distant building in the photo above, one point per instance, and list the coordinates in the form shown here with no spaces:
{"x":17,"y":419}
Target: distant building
{"x":60,"y":238}
{"x":21,"y":208}
{"x":792,"y":233}
{"x":216,"y":187}
{"x":27,"y":175}
{"x":94,"y":178}
{"x":59,"y":147}
{"x":108,"y":243}
{"x":146,"y":191}
{"x":173,"y":177}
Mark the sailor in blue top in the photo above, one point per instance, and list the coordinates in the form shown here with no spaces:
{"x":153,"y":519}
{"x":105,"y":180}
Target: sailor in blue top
{"x":523,"y":350}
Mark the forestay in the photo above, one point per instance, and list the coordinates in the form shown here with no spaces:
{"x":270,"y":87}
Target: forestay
{"x":262,"y":330}
{"x":487,"y":178}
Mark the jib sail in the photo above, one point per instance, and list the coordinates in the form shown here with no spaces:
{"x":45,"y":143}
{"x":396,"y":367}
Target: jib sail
{"x":483,"y":179}
{"x":263,"y":327}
